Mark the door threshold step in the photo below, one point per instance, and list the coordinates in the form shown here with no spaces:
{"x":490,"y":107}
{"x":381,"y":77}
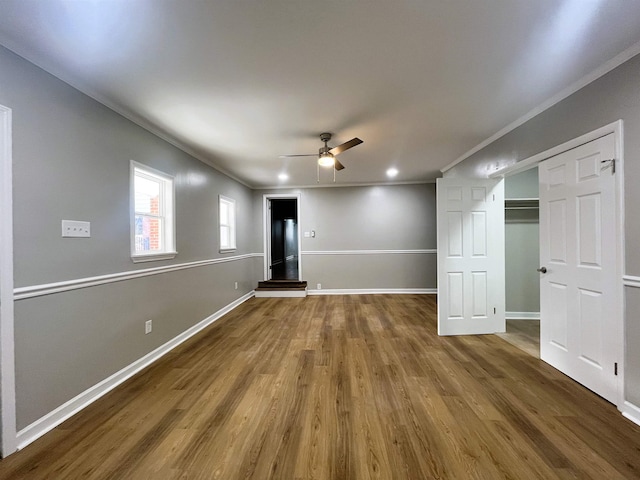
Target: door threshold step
{"x":281,"y":288}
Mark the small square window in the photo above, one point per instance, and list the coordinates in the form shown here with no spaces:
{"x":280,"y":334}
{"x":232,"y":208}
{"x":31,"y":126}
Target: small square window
{"x":152,"y":219}
{"x":227,"y":220}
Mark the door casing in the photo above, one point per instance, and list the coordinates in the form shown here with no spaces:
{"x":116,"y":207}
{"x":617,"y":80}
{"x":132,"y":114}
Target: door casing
{"x":266,"y":229}
{"x":8,"y":434}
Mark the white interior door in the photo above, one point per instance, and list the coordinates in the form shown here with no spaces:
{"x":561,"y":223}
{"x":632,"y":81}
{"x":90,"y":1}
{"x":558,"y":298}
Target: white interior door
{"x":578,"y":261}
{"x":471,"y":298}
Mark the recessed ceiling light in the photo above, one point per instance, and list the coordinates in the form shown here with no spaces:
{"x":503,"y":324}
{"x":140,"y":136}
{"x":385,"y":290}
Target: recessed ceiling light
{"x":392,"y":172}
{"x":283,"y":176}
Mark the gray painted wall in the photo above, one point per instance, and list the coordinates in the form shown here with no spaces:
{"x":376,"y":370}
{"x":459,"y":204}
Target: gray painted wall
{"x":614,"y":96}
{"x":71,"y":161}
{"x":400,"y":217}
{"x":522,"y":253}
{"x":522,"y":185}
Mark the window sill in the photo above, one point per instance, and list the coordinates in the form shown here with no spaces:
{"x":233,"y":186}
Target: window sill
{"x":227,"y":250}
{"x":152,"y":257}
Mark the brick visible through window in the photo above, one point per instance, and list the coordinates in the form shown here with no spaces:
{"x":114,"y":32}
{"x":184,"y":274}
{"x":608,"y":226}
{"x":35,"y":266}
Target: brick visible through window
{"x":153,"y":222}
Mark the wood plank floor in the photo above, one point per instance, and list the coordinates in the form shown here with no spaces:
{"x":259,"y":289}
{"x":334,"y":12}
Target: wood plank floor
{"x":339,"y":387}
{"x":524,"y":334}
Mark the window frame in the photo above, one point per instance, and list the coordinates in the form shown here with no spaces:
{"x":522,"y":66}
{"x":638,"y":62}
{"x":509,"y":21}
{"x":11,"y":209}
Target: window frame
{"x":232,"y":226}
{"x":167,"y":205}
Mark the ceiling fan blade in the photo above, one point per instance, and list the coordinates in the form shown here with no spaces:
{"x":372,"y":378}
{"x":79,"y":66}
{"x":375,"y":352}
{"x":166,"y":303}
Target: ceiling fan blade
{"x":345,"y":146}
{"x":308,"y":155}
{"x":338,"y":165}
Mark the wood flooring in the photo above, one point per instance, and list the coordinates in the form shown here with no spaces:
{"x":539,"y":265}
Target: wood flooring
{"x":524,"y":334}
{"x":339,"y":387}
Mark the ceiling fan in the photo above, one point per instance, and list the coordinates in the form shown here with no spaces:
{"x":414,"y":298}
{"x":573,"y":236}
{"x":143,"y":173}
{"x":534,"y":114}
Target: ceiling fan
{"x":327,"y":156}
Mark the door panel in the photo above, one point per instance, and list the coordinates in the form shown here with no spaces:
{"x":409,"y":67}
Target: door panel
{"x":590,"y":313}
{"x":578,"y":248}
{"x":471,"y":256}
{"x":456,"y":295}
{"x":454,"y":228}
{"x":479,"y":289}
{"x":589,"y":231}
{"x":557,"y":315}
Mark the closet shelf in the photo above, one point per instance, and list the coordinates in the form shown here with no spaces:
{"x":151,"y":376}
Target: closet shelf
{"x":521,"y":204}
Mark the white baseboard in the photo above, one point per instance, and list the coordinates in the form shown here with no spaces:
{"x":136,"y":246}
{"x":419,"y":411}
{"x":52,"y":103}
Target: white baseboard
{"x":374,"y":291}
{"x":280,"y":293}
{"x":54,"y":418}
{"x":522,"y":315}
{"x":631,"y":411}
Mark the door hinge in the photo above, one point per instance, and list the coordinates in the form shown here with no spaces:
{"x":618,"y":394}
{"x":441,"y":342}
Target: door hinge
{"x":611,"y":162}
{"x":615,"y":368}
{"x":494,"y":310}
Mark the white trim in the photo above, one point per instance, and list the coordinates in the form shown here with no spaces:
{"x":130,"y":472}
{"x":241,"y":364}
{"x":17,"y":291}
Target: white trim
{"x":281,"y":293}
{"x":532,"y":162}
{"x":618,"y":132}
{"x":230,"y":203}
{"x":341,"y":185}
{"x":8,"y":443}
{"x":631,"y":412}
{"x":522,"y":315}
{"x":167,"y":207}
{"x":570,"y":90}
{"x":54,"y":418}
{"x":369,"y":252}
{"x":65,"y":286}
{"x":266,"y":228}
{"x":374,"y":291}
{"x":631,"y":281}
{"x":153,"y":257}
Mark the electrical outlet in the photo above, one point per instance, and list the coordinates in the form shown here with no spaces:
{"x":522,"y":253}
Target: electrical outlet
{"x":236,"y":285}
{"x":73,"y":228}
{"x":319,"y":286}
{"x":148,"y":326}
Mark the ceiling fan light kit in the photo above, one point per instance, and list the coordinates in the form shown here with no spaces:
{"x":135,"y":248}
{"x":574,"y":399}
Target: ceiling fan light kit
{"x":327,"y":156}
{"x":326,"y":160}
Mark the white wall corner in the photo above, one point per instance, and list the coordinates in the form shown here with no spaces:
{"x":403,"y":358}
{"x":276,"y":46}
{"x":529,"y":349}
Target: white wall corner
{"x":8,"y":442}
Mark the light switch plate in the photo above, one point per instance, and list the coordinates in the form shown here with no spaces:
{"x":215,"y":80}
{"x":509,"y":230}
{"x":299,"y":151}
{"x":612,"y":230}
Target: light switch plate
{"x":74,"y":228}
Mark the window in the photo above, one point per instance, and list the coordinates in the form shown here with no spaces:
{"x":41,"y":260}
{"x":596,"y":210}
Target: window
{"x":152,"y":219}
{"x":227,"y":216}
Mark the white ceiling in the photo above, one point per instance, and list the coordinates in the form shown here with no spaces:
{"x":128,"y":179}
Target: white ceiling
{"x":239,"y":82}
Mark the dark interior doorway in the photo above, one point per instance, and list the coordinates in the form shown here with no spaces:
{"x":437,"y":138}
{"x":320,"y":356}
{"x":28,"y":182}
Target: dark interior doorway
{"x":284,"y":239}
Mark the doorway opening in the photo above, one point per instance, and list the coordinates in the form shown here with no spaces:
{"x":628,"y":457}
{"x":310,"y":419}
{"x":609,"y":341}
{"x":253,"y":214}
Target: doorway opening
{"x":522,"y":258}
{"x":282,"y":259}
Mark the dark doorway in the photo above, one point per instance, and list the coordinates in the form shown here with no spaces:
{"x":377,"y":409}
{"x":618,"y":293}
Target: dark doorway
{"x":284,"y":239}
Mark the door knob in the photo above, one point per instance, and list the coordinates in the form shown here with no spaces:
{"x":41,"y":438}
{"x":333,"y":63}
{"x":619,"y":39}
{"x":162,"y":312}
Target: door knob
{"x":542,"y":269}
